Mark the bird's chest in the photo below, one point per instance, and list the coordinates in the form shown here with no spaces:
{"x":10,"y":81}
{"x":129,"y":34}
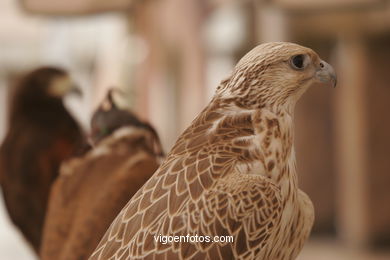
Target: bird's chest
{"x":294,"y":229}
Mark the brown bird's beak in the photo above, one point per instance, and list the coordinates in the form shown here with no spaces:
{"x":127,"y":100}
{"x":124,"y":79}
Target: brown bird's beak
{"x":76,"y":91}
{"x":63,"y":86}
{"x":326,"y":74}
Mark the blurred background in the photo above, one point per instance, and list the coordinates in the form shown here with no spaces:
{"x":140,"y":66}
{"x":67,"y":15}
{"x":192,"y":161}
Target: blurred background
{"x":169,"y":56}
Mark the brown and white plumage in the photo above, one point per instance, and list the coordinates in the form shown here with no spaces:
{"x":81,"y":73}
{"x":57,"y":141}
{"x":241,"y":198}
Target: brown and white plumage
{"x":91,"y":190}
{"x":232,"y":171}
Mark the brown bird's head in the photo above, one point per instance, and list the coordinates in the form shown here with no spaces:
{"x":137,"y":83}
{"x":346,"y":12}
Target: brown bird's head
{"x":39,"y":93}
{"x":46,"y":83}
{"x":275,"y":75}
{"x":109,"y":117}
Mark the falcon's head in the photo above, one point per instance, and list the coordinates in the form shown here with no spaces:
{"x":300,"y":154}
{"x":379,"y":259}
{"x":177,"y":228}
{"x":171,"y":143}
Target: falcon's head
{"x":109,"y":117}
{"x":46,"y":83}
{"x":275,"y":75}
{"x":41,"y":91}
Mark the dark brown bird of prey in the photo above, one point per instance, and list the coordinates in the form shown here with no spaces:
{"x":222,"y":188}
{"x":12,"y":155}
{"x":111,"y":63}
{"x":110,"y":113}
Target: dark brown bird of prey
{"x":231,"y":173}
{"x":91,"y":190}
{"x":41,"y":135}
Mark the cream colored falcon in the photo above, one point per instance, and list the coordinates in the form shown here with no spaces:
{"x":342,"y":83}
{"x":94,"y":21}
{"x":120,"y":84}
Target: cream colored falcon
{"x":231,"y":173}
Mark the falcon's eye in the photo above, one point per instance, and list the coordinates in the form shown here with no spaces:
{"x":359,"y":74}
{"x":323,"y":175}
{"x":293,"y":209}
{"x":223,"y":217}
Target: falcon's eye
{"x":298,"y":62}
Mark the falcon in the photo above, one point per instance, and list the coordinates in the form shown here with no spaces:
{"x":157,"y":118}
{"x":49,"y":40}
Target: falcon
{"x":92,"y":189}
{"x":41,"y":134}
{"x":231,"y":173}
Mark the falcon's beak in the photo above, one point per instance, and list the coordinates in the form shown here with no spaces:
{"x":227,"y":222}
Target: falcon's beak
{"x":76,"y":90}
{"x":63,"y":86}
{"x":326,"y":74}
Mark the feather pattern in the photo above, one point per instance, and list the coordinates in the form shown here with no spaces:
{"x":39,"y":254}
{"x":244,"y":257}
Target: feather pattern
{"x":232,"y":172}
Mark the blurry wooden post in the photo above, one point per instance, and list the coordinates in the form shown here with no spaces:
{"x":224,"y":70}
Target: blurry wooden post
{"x":193,"y":73}
{"x":351,"y":146}
{"x":170,"y":80}
{"x":272,"y":23}
{"x":153,"y":98}
{"x":378,"y":175}
{"x":3,"y":107}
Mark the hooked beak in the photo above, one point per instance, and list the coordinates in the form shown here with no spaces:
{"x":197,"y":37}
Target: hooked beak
{"x":63,"y":86}
{"x":326,"y":74}
{"x":76,"y":91}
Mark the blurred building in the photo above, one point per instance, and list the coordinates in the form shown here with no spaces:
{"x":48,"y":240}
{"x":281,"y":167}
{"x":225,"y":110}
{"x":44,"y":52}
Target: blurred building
{"x":169,"y":56}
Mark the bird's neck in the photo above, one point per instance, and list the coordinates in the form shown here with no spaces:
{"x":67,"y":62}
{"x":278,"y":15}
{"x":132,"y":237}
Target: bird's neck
{"x":269,"y":150}
{"x":274,"y":130}
{"x":259,"y":140}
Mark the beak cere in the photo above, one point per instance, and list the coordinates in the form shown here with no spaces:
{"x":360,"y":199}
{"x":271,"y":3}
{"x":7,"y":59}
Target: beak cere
{"x":326,"y":74}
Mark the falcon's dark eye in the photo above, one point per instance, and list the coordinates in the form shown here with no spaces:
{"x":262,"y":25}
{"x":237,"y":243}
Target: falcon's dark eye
{"x":298,"y":62}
